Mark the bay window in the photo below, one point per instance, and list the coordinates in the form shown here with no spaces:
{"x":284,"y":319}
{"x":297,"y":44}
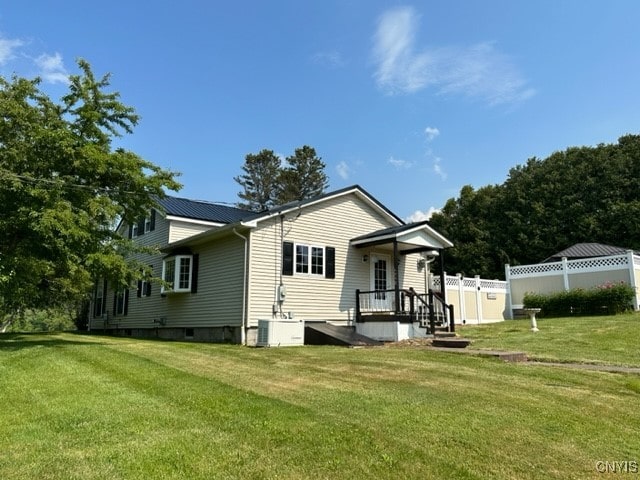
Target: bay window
{"x":177,"y":272}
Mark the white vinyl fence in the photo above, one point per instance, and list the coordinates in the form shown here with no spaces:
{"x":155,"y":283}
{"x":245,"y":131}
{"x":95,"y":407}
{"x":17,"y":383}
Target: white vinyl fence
{"x":475,"y":300}
{"x":569,"y":274}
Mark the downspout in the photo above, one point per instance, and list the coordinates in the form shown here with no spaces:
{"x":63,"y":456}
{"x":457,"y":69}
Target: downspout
{"x":243,"y":328}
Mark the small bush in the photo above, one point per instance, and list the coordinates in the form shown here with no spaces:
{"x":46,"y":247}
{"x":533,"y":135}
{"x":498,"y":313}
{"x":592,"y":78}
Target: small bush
{"x":606,"y":299}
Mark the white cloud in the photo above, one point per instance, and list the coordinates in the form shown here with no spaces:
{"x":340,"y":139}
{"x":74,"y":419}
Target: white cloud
{"x":420,"y":216}
{"x":476,"y":71}
{"x":437,"y":168}
{"x":52,"y":68}
{"x":399,"y":164}
{"x":343,"y":170}
{"x":8,"y":48}
{"x":431,"y":133}
{"x":329,"y":59}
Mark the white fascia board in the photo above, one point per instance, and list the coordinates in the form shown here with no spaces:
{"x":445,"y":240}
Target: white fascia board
{"x":389,"y":237}
{"x":444,"y":243}
{"x":205,"y":236}
{"x":194,"y":221}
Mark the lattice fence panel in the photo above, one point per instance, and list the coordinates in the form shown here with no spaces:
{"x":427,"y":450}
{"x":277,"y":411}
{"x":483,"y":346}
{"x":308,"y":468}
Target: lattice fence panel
{"x":539,"y":269}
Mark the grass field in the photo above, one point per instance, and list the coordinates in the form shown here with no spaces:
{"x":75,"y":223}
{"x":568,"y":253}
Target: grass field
{"x":610,"y":340}
{"x":89,"y":407}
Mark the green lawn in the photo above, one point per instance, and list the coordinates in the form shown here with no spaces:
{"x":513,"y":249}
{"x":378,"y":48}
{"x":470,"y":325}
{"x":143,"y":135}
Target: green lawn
{"x":89,"y":407}
{"x":611,"y":340}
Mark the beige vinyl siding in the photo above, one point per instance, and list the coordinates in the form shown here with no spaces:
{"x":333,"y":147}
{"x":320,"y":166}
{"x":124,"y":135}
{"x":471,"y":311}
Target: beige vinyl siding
{"x":332,"y":223}
{"x":141,"y":311}
{"x":218,"y":301}
{"x":179,"y":230}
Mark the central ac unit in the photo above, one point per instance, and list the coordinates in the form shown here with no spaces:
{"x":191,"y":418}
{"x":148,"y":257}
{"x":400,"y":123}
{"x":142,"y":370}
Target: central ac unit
{"x":280,"y":333}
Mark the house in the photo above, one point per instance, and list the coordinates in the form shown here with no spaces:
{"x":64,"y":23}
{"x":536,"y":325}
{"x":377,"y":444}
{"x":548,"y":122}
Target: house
{"x":342,"y":258}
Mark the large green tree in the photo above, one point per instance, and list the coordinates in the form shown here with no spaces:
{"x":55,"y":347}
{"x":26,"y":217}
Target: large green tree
{"x":259,"y":181}
{"x":267,"y":181}
{"x":63,"y":188}
{"x":581,"y":194}
{"x":303,"y":177}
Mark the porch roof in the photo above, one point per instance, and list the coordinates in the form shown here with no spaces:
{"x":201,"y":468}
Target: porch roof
{"x":411,"y":237}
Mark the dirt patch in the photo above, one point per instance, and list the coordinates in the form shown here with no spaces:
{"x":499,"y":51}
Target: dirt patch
{"x":410,"y":342}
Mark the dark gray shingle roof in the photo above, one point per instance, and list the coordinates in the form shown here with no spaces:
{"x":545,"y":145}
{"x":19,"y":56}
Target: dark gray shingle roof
{"x":202,"y":210}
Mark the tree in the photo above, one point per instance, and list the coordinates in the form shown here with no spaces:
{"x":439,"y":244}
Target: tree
{"x":304,"y":176}
{"x":63,"y":188}
{"x":259,"y":181}
{"x":266,"y":182}
{"x":581,"y":194}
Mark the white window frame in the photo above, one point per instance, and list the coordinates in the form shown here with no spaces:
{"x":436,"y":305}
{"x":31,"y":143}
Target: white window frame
{"x":147,"y":224}
{"x":173,"y":277}
{"x":309,"y":262}
{"x":99,"y":296}
{"x":134,"y":230}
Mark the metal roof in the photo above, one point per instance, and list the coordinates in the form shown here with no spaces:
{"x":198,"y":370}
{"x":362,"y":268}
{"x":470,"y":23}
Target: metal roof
{"x":202,"y":210}
{"x":586,"y":250}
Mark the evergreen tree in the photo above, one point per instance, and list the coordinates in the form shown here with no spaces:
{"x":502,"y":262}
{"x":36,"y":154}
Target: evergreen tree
{"x":304,"y":176}
{"x":259,"y":181}
{"x":266,"y":182}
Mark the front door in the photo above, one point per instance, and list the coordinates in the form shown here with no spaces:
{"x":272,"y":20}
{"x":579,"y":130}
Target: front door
{"x":382,"y":300}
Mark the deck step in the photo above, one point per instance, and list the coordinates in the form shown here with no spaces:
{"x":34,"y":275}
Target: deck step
{"x":450,"y":342}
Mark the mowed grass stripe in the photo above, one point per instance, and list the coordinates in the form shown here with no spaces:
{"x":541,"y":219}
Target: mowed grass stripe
{"x":121,"y":408}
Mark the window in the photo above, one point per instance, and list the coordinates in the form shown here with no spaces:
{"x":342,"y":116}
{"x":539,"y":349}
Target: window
{"x":317,"y":260}
{"x":308,"y":260}
{"x":144,"y":285}
{"x":180,"y":273}
{"x":302,"y":259}
{"x":121,"y":302}
{"x":143,"y":225}
{"x":99,"y":306}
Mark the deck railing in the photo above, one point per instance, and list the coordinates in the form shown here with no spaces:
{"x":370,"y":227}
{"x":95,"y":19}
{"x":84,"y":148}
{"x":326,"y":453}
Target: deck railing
{"x":429,"y":309}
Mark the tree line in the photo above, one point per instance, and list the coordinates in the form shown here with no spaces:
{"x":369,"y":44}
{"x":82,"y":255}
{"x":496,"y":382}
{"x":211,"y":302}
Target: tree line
{"x":581,"y":194}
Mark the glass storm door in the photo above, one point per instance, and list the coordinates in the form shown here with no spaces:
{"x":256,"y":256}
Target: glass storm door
{"x":380,"y":282}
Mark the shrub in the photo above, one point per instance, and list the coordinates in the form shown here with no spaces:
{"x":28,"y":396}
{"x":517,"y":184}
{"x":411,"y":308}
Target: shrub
{"x":606,"y":299}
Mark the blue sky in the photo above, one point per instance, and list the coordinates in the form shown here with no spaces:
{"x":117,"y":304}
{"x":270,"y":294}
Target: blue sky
{"x":410,"y":100}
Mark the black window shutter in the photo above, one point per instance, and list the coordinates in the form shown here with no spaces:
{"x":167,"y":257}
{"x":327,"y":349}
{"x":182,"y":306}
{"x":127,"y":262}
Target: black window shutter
{"x":330,"y":262}
{"x":195,"y":261}
{"x":147,"y":288}
{"x":139,"y":291}
{"x":153,"y":219}
{"x":141,"y":227}
{"x":95,"y":302}
{"x":287,"y":258}
{"x":104,"y":298}
{"x":126,"y":301}
{"x":130,"y":232}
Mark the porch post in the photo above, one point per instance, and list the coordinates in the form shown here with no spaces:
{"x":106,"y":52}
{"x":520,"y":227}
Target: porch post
{"x":396,"y":275}
{"x":443,"y":276}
